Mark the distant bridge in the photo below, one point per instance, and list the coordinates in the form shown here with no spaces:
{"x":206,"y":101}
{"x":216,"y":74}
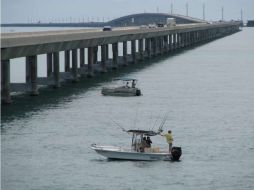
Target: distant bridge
{"x":129,"y":20}
{"x":150,"y":18}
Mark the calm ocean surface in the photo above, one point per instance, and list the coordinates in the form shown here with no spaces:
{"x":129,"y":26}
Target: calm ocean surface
{"x":207,"y":91}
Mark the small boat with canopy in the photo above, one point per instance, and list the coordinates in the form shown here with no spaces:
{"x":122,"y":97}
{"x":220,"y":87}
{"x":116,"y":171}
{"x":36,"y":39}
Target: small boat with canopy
{"x":138,"y":149}
{"x":127,"y":88}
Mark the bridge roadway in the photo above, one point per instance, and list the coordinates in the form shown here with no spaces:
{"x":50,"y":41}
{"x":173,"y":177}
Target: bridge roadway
{"x":151,"y":42}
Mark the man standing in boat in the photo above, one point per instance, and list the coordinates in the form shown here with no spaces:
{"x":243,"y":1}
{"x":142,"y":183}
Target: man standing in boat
{"x":169,"y":139}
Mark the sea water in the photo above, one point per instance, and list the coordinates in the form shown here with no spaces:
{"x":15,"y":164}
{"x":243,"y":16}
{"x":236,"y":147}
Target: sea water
{"x":207,"y":93}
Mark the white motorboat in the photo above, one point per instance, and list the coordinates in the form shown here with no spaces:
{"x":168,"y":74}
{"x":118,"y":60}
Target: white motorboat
{"x":129,"y":89}
{"x":139,"y":149}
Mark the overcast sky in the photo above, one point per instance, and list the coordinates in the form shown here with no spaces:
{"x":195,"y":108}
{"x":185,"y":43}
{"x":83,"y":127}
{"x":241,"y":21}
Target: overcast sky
{"x":96,"y":10}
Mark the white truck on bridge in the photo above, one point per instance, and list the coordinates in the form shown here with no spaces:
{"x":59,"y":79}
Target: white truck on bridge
{"x":171,"y":22}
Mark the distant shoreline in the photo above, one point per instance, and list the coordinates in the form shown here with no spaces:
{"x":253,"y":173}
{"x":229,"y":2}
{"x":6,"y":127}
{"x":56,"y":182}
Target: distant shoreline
{"x":90,"y":24}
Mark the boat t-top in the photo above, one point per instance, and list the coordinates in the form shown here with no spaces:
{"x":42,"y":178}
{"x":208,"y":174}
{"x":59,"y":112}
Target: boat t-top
{"x":140,"y":149}
{"x":128,"y":89}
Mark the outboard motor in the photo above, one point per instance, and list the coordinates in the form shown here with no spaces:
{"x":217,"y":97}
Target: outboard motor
{"x":176,"y":153}
{"x":138,"y":92}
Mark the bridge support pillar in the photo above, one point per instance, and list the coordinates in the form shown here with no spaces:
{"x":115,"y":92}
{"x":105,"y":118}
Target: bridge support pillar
{"x":148,"y":47}
{"x":103,"y":59}
{"x":90,"y":62}
{"x":115,"y":54}
{"x":133,"y":51}
{"x":181,"y":40}
{"x":141,"y":49}
{"x":188,"y":39}
{"x":154,"y":47}
{"x":192,"y":38}
{"x":5,"y":81}
{"x":67,"y":66}
{"x":31,"y":74}
{"x":75,"y":65}
{"x":82,"y":57}
{"x":178,"y":41}
{"x":165,"y":44}
{"x":49,"y":64}
{"x":195,"y":37}
{"x":56,"y":71}
{"x":95,"y":55}
{"x":174,"y":42}
{"x":170,"y":42}
{"x":160,"y":40}
{"x":125,"y":61}
{"x":106,"y":51}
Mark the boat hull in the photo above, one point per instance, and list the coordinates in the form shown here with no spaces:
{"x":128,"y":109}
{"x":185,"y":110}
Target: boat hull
{"x":124,"y":154}
{"x":121,"y":91}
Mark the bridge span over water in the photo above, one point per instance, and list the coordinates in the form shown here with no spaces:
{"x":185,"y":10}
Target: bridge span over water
{"x":146,"y":43}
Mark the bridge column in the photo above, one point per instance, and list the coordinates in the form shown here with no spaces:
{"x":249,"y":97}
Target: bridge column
{"x":161,"y":50}
{"x":56,"y":71}
{"x":148,"y":48}
{"x":210,"y":34}
{"x":141,"y":49}
{"x":103,"y":59}
{"x":165,"y":44}
{"x":195,"y":37}
{"x":115,"y":54}
{"x":5,"y":81}
{"x":82,"y":57}
{"x":203,"y":35}
{"x":106,"y":51}
{"x":49,"y":64}
{"x":153,"y":41}
{"x":133,"y":51}
{"x":125,"y":60}
{"x":188,"y":39}
{"x":170,"y":42}
{"x":182,"y":40}
{"x":67,"y":66}
{"x":75,"y":65}
{"x":174,"y":42}
{"x":95,"y":54}
{"x":199,"y":36}
{"x":90,"y":62}
{"x":178,"y":41}
{"x":31,"y":74}
{"x":191,"y":39}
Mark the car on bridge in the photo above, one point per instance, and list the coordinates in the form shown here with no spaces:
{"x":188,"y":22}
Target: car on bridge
{"x":107,"y":28}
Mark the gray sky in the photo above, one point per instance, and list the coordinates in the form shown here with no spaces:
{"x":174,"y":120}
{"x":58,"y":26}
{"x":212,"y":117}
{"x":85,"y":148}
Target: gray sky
{"x":79,"y":10}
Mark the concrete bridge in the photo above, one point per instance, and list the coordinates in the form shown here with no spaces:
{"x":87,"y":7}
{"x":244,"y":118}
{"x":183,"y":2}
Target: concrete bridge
{"x":146,"y":43}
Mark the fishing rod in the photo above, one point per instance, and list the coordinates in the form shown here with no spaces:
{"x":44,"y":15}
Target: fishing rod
{"x":163,"y":122}
{"x":117,"y":124}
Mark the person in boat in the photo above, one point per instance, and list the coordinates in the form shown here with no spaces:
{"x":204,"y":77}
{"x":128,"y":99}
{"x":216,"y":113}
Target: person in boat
{"x":148,"y":142}
{"x":133,"y":84}
{"x":127,"y":85}
{"x":143,"y":145}
{"x":169,"y":139}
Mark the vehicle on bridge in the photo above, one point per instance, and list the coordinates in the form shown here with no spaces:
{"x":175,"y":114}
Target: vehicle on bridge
{"x":160,"y":24}
{"x":171,"y":22}
{"x":128,"y":89}
{"x":107,"y":28}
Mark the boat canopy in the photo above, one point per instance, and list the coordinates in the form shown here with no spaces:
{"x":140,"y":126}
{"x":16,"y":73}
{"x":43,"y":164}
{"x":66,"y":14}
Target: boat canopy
{"x":126,"y":79}
{"x":143,"y":132}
